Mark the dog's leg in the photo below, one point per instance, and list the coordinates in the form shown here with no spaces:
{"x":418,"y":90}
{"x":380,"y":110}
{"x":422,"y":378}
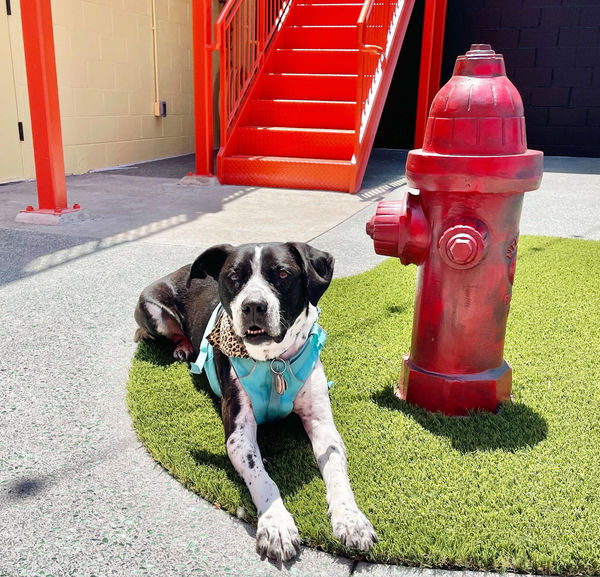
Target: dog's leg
{"x":157,"y":319}
{"x":314,"y":408}
{"x":276,"y":535}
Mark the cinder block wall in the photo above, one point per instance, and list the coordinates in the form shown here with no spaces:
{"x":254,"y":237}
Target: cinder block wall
{"x":104,"y":59}
{"x":105,"y":69}
{"x":552,"y":54}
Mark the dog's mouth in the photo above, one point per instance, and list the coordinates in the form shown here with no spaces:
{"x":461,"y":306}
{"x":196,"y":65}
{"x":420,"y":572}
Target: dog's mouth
{"x":257,"y":335}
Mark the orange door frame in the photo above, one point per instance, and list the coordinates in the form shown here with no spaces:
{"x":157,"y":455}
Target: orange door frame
{"x":38,"y":41}
{"x":432,"y":48}
{"x":203,"y":98}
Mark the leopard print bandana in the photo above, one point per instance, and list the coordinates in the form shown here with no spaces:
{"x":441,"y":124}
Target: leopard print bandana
{"x":223,"y":337}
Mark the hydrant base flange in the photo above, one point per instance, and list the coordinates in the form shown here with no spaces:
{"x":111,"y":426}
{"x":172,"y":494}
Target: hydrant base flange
{"x":454,"y":395}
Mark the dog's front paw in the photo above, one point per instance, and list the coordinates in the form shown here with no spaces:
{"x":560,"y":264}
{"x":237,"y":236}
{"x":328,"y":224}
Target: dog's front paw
{"x":352,"y":528}
{"x":184,"y":351}
{"x":276,"y":535}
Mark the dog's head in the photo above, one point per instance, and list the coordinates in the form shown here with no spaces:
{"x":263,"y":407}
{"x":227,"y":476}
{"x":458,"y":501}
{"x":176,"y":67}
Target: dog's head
{"x":267,"y":290}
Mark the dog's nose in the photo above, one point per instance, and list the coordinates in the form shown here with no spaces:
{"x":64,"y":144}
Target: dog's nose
{"x":255,"y":308}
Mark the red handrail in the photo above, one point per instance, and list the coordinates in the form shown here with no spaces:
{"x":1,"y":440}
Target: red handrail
{"x":381,"y":27}
{"x":243,"y":33}
{"x":378,"y":23}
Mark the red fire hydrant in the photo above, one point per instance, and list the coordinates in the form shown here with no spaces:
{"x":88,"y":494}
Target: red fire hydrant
{"x":462,"y":231}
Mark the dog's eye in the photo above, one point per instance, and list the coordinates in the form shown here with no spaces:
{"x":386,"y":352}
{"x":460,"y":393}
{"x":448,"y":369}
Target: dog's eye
{"x":234,"y":276}
{"x":283,"y":273}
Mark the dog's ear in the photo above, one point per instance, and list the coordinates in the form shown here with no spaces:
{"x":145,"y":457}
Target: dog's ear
{"x":317,"y":266}
{"x":210,"y":262}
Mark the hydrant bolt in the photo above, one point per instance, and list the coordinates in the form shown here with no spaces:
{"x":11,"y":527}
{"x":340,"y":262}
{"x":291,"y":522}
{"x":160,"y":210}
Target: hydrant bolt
{"x":461,"y":249}
{"x":463,"y":246}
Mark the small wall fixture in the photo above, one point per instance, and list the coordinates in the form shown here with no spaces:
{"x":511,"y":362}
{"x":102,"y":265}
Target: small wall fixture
{"x":160,"y":108}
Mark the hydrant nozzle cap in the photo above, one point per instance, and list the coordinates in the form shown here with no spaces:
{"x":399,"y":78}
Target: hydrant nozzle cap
{"x":371,"y":227}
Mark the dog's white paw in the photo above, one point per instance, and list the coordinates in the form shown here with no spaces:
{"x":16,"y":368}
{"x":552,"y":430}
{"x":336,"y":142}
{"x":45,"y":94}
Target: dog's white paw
{"x":352,"y":528}
{"x":277,"y":536}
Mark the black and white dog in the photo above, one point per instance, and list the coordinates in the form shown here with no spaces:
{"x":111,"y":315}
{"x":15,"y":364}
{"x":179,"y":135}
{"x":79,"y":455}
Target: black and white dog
{"x":270,"y":293}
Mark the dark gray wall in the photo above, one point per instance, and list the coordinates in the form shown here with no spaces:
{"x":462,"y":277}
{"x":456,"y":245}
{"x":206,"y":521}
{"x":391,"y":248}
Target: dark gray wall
{"x":552,"y":54}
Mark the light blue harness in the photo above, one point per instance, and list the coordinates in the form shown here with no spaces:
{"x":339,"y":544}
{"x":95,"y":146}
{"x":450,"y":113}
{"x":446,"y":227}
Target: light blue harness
{"x":257,"y":376}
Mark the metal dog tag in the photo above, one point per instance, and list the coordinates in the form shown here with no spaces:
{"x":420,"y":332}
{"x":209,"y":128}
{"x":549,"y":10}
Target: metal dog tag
{"x":277,"y":379}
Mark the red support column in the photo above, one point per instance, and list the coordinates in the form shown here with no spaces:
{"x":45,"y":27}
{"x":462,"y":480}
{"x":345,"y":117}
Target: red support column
{"x":203,"y":100}
{"x":432,"y":47}
{"x":38,"y":40}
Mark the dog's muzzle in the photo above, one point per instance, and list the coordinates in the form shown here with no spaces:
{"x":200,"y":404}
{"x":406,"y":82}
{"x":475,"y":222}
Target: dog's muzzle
{"x":256,"y":322}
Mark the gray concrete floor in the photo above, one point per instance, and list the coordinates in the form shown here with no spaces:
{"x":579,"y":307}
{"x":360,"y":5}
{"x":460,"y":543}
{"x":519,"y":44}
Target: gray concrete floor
{"x":79,"y":495}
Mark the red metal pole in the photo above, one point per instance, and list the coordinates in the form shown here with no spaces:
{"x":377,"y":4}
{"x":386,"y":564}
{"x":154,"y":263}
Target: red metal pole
{"x":38,"y":41}
{"x":432,"y":47}
{"x":203,"y":100}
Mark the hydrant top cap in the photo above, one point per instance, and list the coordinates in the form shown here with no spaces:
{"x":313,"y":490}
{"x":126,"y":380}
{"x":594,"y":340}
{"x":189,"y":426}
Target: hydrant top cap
{"x":478,"y":111}
{"x":481,"y":60}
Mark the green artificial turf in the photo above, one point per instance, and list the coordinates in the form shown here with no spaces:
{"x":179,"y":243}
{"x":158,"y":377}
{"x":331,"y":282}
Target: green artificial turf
{"x":517,"y":490}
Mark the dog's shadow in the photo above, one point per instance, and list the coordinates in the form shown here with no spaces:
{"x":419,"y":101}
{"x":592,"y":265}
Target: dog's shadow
{"x":514,"y":426}
{"x":158,"y":352}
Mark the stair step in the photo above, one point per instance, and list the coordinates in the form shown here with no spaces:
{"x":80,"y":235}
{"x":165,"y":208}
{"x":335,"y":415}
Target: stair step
{"x":303,"y":113}
{"x":325,"y":14}
{"x":296,"y":142}
{"x":332,"y":2}
{"x":314,"y":61}
{"x":309,"y":86}
{"x":319,"y":37}
{"x":286,"y":172}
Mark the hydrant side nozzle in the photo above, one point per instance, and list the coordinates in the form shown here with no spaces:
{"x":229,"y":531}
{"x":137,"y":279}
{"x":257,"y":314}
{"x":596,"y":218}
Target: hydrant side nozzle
{"x":400,"y":229}
{"x":384,"y":226}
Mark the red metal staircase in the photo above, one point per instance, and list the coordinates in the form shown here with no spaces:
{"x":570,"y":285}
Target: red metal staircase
{"x":303,"y":83}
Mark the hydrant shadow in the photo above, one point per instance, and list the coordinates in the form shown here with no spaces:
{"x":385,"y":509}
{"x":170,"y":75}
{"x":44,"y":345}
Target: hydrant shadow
{"x":514,"y":426}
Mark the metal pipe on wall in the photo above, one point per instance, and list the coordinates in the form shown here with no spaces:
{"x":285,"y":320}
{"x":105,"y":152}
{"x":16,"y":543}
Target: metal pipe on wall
{"x":159,"y":108}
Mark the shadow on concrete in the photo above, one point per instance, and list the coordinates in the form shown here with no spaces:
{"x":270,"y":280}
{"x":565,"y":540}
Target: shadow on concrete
{"x":570,"y":165}
{"x":25,"y":488}
{"x":136,"y":203}
{"x":123,"y":209}
{"x":176,"y":167}
{"x":512,"y":428}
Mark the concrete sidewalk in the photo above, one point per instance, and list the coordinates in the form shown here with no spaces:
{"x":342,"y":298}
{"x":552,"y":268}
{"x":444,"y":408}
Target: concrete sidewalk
{"x":79,"y":495}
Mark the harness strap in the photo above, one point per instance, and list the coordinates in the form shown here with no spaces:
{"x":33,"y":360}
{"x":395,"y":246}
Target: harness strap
{"x":255,"y":376}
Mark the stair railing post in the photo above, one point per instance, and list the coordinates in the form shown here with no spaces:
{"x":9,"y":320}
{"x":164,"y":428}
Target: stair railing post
{"x":262,"y":26}
{"x":224,"y":81}
{"x":42,"y":84}
{"x":203,"y":86}
{"x":388,"y":18}
{"x":431,"y":63}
